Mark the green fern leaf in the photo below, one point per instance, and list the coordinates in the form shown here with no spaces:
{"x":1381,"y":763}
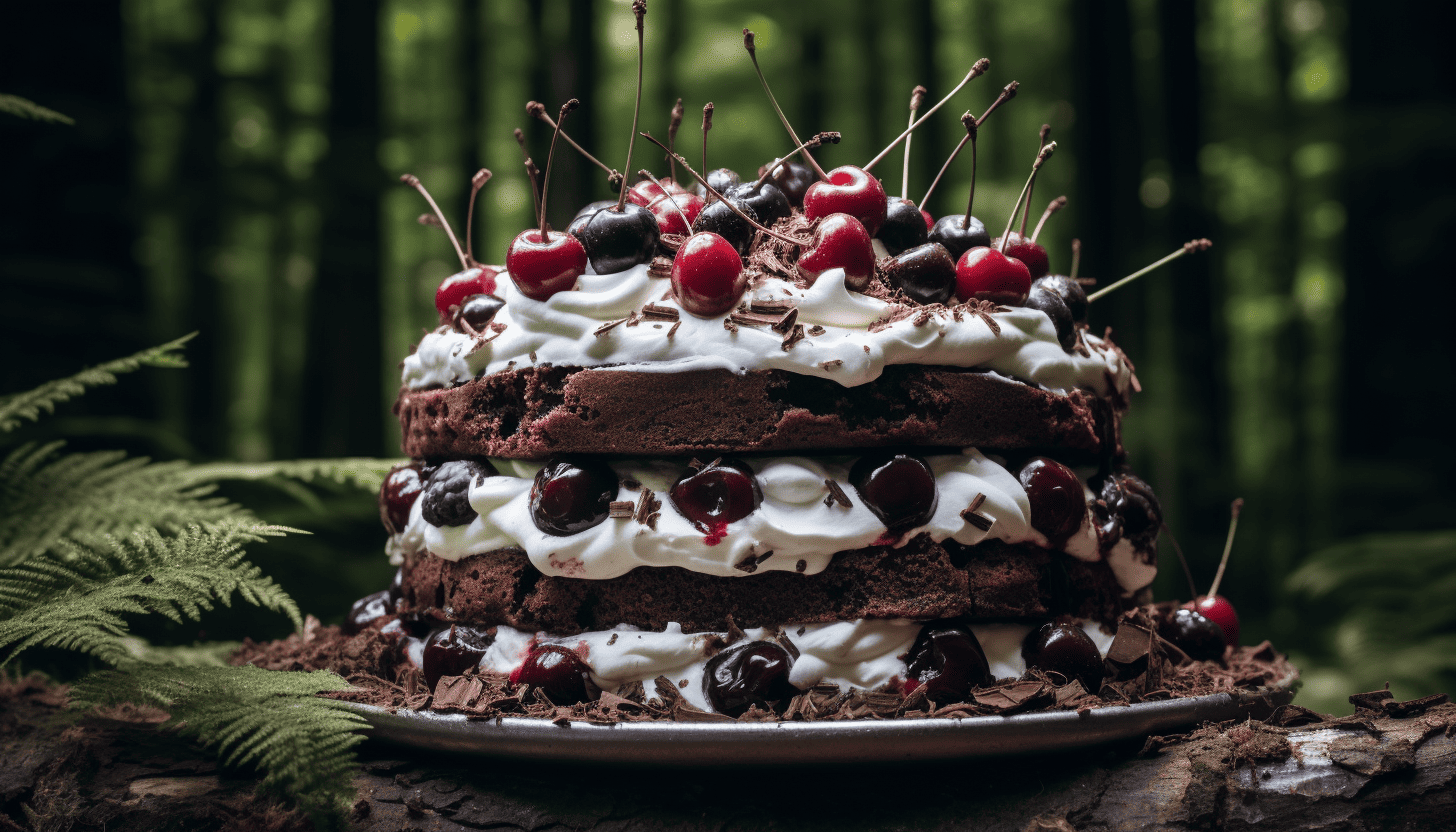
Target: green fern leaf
{"x":272,"y":720}
{"x":48,"y":499}
{"x":25,"y":108}
{"x":362,"y":472}
{"x":203,"y":654}
{"x":78,"y":598}
{"x":28,"y":406}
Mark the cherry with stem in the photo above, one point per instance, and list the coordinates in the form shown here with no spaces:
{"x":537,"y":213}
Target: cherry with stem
{"x":1188,"y":248}
{"x":753,"y":56}
{"x":647,"y":174}
{"x":917,"y":96}
{"x":1041,"y":157}
{"x":542,"y":262}
{"x":639,"y":10}
{"x":717,"y":196}
{"x":570,"y":105}
{"x":1235,"y":508}
{"x":414,"y":182}
{"x":1007,"y":93}
{"x":817,"y":140}
{"x":977,"y":70}
{"x":538,"y":110}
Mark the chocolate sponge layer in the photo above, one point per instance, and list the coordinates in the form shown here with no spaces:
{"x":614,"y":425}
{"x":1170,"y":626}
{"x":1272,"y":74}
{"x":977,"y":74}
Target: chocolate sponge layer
{"x":533,"y":413}
{"x":922,"y":580}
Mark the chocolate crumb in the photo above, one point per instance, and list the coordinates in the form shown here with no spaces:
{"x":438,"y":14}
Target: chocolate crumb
{"x":817,"y":330}
{"x":729,"y":325}
{"x":612,"y":640}
{"x":867,"y":349}
{"x":831,"y":364}
{"x":532,"y":355}
{"x":836,"y":494}
{"x":923,"y":318}
{"x":683,"y":684}
{"x":794,"y":336}
{"x":800,"y":567}
{"x":647,"y":505}
{"x":621,"y":509}
{"x":787,"y":322}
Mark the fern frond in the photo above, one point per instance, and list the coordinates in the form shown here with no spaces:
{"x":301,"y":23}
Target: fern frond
{"x":366,"y":473}
{"x":202,"y":654}
{"x":20,"y":407}
{"x":272,"y":720}
{"x":25,"y":108}
{"x":78,"y":599}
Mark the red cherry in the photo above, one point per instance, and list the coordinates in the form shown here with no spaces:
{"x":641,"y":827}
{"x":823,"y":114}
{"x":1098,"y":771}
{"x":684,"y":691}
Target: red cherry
{"x":707,"y":275}
{"x":840,"y":242}
{"x":987,"y":274}
{"x":539,"y":268}
{"x":929,"y":220}
{"x":557,"y":671}
{"x":457,"y":287}
{"x":1218,"y":610}
{"x":670,"y":218}
{"x":646,"y":192}
{"x":848,"y":190}
{"x":1032,"y":253}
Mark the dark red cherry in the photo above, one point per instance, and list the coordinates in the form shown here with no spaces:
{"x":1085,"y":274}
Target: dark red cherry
{"x":1064,"y":649}
{"x":721,"y":179}
{"x":1058,"y":502}
{"x":457,"y":287}
{"x":987,"y":274}
{"x":707,"y":274}
{"x":671,"y":211}
{"x":1194,"y":634}
{"x":571,"y":496}
{"x":367,"y":610}
{"x":904,"y":227}
{"x":1051,"y":304}
{"x":716,"y":495}
{"x":1069,"y":290}
{"x":840,"y":242}
{"x":1034,"y":255}
{"x":446,"y":498}
{"x":478,"y":311}
{"x":929,"y":221}
{"x":579,"y":221}
{"x":948,"y":662}
{"x":948,"y":232}
{"x":848,"y":190}
{"x":1218,"y":610}
{"x":769,"y":203}
{"x":646,"y":192}
{"x":898,"y":488}
{"x":540,"y":268}
{"x":756,"y":673}
{"x":557,"y":671}
{"x":615,"y":241}
{"x":1133,"y":502}
{"x":793,"y":178}
{"x":719,"y":219}
{"x":452,"y":650}
{"x":925,"y":273}
{"x":397,"y":496}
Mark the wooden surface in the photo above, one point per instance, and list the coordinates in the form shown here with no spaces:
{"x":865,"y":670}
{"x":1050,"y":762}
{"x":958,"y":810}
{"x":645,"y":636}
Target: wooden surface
{"x":1372,"y":771}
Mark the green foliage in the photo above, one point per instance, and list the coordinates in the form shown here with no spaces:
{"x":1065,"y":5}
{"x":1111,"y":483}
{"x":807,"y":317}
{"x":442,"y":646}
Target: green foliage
{"x":76,"y":600}
{"x":268,"y":719}
{"x":28,"y":406}
{"x":16,"y":106}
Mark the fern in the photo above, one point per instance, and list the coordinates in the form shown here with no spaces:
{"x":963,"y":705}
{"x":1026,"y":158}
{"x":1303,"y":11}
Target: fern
{"x":77,"y":600}
{"x":269,"y":719}
{"x":28,"y":406}
{"x":17,"y":106}
{"x":204,"y":654}
{"x":362,"y":472}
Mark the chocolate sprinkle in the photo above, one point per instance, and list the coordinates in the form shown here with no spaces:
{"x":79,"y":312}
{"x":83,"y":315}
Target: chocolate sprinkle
{"x":817,"y":330}
{"x":835,"y":495}
{"x":653,"y":312}
{"x":793,"y":337}
{"x":801,"y":566}
{"x":621,"y":509}
{"x":831,"y":364}
{"x":977,"y":501}
{"x":787,"y":322}
{"x":750,"y":319}
{"x":673,"y":330}
{"x":770,"y":306}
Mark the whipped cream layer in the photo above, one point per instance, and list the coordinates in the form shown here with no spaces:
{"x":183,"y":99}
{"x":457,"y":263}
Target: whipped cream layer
{"x":853,"y":348}
{"x":796,"y":528}
{"x":864,"y":654}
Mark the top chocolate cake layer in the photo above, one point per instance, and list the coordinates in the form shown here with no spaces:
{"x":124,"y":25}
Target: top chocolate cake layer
{"x":536,"y":412}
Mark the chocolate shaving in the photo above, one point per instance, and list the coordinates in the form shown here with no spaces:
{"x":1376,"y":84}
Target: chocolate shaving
{"x":751,"y":319}
{"x":647,"y":506}
{"x":634,"y":319}
{"x":983,"y":309}
{"x":621,"y":509}
{"x":817,"y":330}
{"x":923,"y":318}
{"x":977,"y":501}
{"x":787,"y":322}
{"x":980,"y":521}
{"x":831,"y":364}
{"x":729,"y":325}
{"x":661,"y":267}
{"x":608,"y":327}
{"x":673,"y":329}
{"x":770,"y":306}
{"x":835,"y":495}
{"x":782,"y":639}
{"x":671,"y":242}
{"x":653,"y":312}
{"x":794,"y":336}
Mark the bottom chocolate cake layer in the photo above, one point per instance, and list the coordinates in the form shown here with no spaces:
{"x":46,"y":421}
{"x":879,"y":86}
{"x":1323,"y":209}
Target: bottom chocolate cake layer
{"x":922,"y":580}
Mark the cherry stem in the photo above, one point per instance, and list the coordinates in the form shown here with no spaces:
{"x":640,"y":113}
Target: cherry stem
{"x":429,"y":219}
{"x":917,"y":95}
{"x":830,"y":137}
{"x":1046,"y":130}
{"x":1187,"y":572}
{"x":1045,"y":154}
{"x":667,"y":196}
{"x":674,"y":123}
{"x":1052,"y":207}
{"x":977,"y":70}
{"x":1228,"y":545}
{"x":570,"y":105}
{"x":753,"y":56}
{"x":1188,"y":248}
{"x":531,"y":173}
{"x":639,"y":9}
{"x":477,"y":182}
{"x":1007,"y":93}
{"x":734,"y":208}
{"x":971,"y":130}
{"x":1076,"y":257}
{"x":707,"y":125}
{"x":537,"y":109}
{"x":414,"y":182}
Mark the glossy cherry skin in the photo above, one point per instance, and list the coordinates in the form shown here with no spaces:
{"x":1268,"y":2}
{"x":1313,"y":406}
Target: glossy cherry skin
{"x":397,"y":496}
{"x":367,"y":610}
{"x":793,"y":178}
{"x":716,"y":495}
{"x":948,"y":662}
{"x":579,"y":221}
{"x":904,"y":226}
{"x":840,"y":242}
{"x":646,"y":192}
{"x":718,"y":218}
{"x":1069,"y":290}
{"x":571,"y":496}
{"x":925,"y":273}
{"x":1058,"y":500}
{"x":671,"y":211}
{"x":446,"y":497}
{"x":1064,"y":649}
{"x":756,"y":673}
{"x":721,"y":179}
{"x":848,"y":190}
{"x":457,"y":287}
{"x":1218,"y":610}
{"x":987,"y":274}
{"x":478,"y":311}
{"x":898,"y":488}
{"x":557,"y":671}
{"x":948,"y":232}
{"x":707,"y":275}
{"x":1139,"y":516}
{"x":1052,"y":305}
{"x":615,"y":241}
{"x":540,"y":268}
{"x":1034,"y":255}
{"x":452,"y":650}
{"x":1194,"y":634}
{"x":929,"y":221}
{"x":769,"y":203}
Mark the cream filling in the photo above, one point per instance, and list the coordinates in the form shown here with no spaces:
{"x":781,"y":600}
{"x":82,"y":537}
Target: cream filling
{"x":562,"y":331}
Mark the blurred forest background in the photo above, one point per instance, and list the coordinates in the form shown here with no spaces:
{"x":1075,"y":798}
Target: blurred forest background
{"x":233,"y":169}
